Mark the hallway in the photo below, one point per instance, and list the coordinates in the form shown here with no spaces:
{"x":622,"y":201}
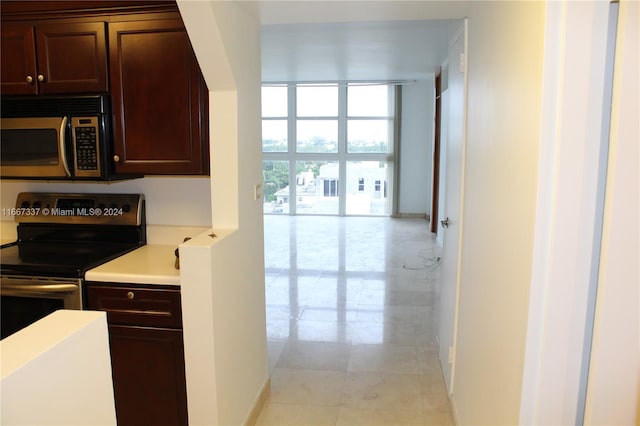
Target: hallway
{"x":352,"y":310}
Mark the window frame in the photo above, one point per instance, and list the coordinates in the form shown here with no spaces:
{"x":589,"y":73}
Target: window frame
{"x":342,"y":157}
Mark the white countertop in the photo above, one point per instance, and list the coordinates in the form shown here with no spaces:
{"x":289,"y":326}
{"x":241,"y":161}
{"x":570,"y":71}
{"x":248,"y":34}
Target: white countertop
{"x":150,"y":264}
{"x":57,"y":371}
{"x":29,"y":343}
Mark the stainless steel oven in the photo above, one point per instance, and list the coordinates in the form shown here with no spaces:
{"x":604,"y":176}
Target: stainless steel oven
{"x":60,"y":237}
{"x":28,"y":299}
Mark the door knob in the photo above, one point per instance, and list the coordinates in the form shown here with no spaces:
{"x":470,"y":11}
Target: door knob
{"x":116,"y":158}
{"x":445,"y":222}
{"x":29,"y":79}
{"x":40,"y":78}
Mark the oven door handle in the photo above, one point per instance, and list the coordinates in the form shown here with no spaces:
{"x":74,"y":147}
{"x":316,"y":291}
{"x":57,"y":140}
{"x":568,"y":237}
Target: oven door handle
{"x":24,"y":288}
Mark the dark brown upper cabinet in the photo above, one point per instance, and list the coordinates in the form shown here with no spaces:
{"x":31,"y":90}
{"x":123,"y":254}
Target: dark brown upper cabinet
{"x":160,"y":100}
{"x":137,"y":51}
{"x":53,"y":58}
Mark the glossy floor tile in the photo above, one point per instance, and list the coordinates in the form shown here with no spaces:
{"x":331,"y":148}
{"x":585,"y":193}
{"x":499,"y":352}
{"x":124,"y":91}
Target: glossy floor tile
{"x":352,"y":310}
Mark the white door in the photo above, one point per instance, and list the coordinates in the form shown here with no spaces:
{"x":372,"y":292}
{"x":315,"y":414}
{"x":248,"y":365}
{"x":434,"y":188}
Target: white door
{"x":452,"y":212}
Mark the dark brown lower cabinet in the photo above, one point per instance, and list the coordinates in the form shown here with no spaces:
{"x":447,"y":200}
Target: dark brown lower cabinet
{"x":148,"y":375}
{"x":147,"y":352}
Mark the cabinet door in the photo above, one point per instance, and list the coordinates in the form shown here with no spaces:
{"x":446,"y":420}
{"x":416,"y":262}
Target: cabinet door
{"x":72,"y":57}
{"x":148,"y":376}
{"x":159,"y":99}
{"x":18,"y":59}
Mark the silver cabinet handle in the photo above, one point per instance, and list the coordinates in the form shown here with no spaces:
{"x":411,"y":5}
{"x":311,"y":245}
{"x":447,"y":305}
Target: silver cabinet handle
{"x":40,"y":78}
{"x":130,"y":295}
{"x":29,"y":79}
{"x":116,"y":158}
{"x":445,"y":222}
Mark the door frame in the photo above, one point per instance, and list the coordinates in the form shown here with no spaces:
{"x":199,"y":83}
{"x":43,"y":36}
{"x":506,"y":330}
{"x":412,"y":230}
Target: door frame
{"x":435,"y":180}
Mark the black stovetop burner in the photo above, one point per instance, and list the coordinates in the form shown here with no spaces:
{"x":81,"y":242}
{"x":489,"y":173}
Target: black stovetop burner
{"x":51,"y":244}
{"x":59,"y":260}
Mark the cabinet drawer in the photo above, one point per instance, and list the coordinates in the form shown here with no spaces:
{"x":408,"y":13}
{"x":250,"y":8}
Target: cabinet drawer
{"x":137,"y":306}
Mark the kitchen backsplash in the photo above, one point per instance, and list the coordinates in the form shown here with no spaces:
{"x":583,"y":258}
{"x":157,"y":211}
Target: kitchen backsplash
{"x":175,"y":201}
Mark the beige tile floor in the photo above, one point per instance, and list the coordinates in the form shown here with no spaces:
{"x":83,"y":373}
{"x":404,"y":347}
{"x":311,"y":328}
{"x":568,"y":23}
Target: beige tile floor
{"x":352,"y":309}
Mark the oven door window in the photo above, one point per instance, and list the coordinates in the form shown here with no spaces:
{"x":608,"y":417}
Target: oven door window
{"x":19,"y":312}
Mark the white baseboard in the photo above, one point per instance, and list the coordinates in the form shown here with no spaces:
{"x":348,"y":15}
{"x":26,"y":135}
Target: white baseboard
{"x":252,"y":418}
{"x":453,"y":413}
{"x":410,"y":216}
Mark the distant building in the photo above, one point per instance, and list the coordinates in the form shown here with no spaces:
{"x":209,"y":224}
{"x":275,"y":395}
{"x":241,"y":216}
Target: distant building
{"x":366,"y":190}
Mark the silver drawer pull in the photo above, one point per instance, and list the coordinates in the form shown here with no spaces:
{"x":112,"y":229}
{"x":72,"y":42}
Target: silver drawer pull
{"x":130,"y":295}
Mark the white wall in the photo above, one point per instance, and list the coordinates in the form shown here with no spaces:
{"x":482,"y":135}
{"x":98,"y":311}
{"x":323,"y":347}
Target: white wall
{"x":416,"y":144}
{"x":504,"y":86}
{"x":223,"y":278}
{"x":57,"y":371}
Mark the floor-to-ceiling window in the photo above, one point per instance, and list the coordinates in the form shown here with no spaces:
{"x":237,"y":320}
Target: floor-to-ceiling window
{"x":328,"y":148}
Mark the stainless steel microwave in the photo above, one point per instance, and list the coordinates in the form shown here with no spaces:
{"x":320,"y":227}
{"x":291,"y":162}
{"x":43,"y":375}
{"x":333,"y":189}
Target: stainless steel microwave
{"x":56,"y":138}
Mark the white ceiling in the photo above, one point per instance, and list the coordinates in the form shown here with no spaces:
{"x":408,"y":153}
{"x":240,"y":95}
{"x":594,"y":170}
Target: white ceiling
{"x":390,"y":50}
{"x":324,"y":11}
{"x":354,"y":40}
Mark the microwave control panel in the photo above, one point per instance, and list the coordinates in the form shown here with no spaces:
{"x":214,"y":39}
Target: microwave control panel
{"x":86,"y":146}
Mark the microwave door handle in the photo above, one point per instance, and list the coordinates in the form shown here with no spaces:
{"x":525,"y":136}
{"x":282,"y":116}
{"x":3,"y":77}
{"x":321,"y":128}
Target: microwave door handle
{"x":63,"y":145}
